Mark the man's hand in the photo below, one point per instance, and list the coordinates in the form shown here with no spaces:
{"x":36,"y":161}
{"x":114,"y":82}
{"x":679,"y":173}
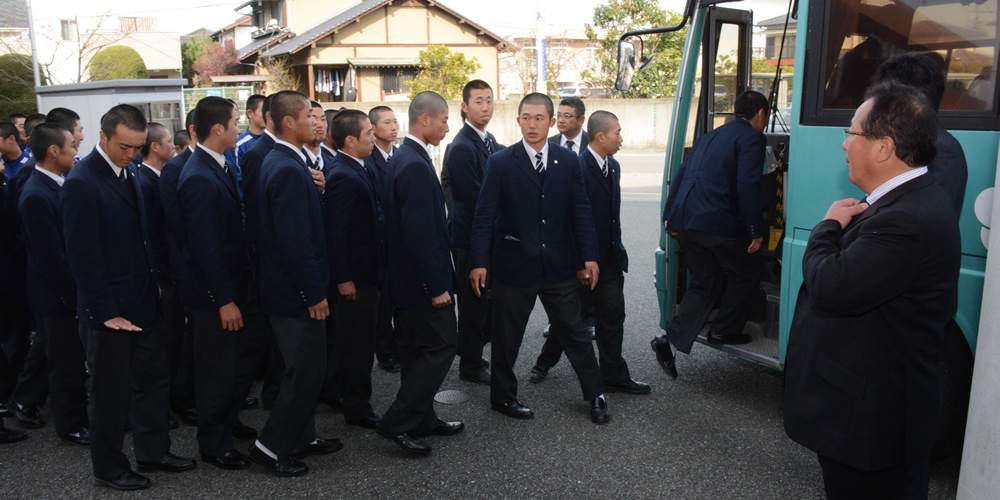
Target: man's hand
{"x":671,"y":233}
{"x":347,"y":291}
{"x":580,"y":276}
{"x":755,"y":244}
{"x":844,"y":210}
{"x":231,"y":318}
{"x":478,"y":279}
{"x":318,"y":179}
{"x":121,"y":323}
{"x":320,"y":311}
{"x":590,"y":272}
{"x":442,"y":300}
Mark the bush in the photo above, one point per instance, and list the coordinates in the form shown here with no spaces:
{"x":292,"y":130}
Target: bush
{"x":117,"y":63}
{"x":17,"y":94}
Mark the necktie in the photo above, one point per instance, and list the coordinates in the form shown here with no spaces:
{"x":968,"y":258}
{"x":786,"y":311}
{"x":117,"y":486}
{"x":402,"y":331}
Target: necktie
{"x":122,"y":175}
{"x":569,"y":145}
{"x":604,"y":167}
{"x":389,"y":157}
{"x":489,"y":146}
{"x":539,"y":166}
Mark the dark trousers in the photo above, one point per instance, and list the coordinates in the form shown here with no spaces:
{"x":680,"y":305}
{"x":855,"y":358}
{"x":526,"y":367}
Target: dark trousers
{"x":331,"y":393}
{"x":385,"y":331}
{"x":356,"y":323}
{"x":32,"y":387}
{"x":426,"y":344}
{"x":15,"y":330}
{"x":179,"y":347}
{"x":301,"y":342}
{"x":256,"y":346}
{"x":716,"y":263}
{"x":130,"y":381}
{"x":608,"y":300}
{"x":512,"y":306}
{"x":67,"y":372}
{"x":220,"y":383}
{"x":472,"y":313}
{"x":845,"y":482}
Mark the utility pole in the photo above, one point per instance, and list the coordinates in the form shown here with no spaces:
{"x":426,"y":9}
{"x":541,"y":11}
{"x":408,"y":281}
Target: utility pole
{"x":34,"y":55}
{"x":540,"y":63}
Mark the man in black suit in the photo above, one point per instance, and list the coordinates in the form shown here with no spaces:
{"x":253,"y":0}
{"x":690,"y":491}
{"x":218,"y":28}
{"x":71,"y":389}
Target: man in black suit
{"x":532,"y":212}
{"x":466,"y":163}
{"x":104,"y":223}
{"x":714,"y":211}
{"x":294,"y":282}
{"x":602,"y":176}
{"x":880,"y":280}
{"x":215,"y":287}
{"x":422,"y":282}
{"x":51,"y":290}
{"x":355,"y":239}
{"x":6,"y":288}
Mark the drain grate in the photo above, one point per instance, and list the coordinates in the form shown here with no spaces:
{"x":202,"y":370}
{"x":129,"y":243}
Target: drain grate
{"x":451,"y":397}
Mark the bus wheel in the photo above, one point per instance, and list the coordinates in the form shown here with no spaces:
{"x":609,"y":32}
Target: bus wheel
{"x":956,"y":381}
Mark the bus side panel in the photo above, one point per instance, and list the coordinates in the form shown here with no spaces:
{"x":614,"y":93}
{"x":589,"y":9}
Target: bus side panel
{"x":970,"y":297}
{"x":791,"y":280}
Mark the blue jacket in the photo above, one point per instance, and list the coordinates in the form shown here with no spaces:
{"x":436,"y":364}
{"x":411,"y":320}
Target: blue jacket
{"x":250,"y":164}
{"x":717,"y":188}
{"x":213,"y":251}
{"x":533,"y":227}
{"x":149,"y":182}
{"x":419,"y":254}
{"x":294,"y":272}
{"x":174,"y":234}
{"x":111,"y":258}
{"x":466,"y":164}
{"x":51,"y":290}
{"x":605,"y":195}
{"x":355,"y":225}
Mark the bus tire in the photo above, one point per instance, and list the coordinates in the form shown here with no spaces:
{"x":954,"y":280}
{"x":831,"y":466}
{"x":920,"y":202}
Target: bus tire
{"x":956,"y":381}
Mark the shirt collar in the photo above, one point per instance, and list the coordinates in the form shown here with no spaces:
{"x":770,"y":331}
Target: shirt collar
{"x":531,"y":152}
{"x":328,"y":149}
{"x":418,"y":141}
{"x":271,"y":135}
{"x":894,"y":183}
{"x":345,"y":155}
{"x":218,"y":158}
{"x":480,"y":133}
{"x":600,"y":161}
{"x":293,"y":148}
{"x":151,"y":169}
{"x":576,"y":140}
{"x":58,"y":178}
{"x":385,"y":156}
{"x":115,"y":168}
{"x":191,"y":147}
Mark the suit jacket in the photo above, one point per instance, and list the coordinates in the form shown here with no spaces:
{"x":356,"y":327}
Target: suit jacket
{"x":381,"y":166}
{"x":717,"y":188}
{"x":294,"y":272}
{"x":584,"y":140}
{"x":419,"y":254}
{"x":328,"y":159}
{"x":533,"y":225}
{"x":862,"y":380}
{"x":112,"y":260}
{"x":214,"y":250}
{"x":149,"y":183}
{"x":949,"y":168}
{"x":605,"y":195}
{"x":355,"y":226}
{"x":173,"y":232}
{"x":250,"y":164}
{"x":466,"y":163}
{"x":51,"y":290}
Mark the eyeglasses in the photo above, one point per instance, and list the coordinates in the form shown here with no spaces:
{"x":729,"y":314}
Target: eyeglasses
{"x":566,"y":116}
{"x":848,"y":133}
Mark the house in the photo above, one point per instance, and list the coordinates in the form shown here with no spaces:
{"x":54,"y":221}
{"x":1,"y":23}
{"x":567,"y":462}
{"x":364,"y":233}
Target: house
{"x":772,"y":31}
{"x":239,"y":32}
{"x":364,"y":50}
{"x":568,"y":56}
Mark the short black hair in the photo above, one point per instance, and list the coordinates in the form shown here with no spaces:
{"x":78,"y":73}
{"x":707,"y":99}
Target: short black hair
{"x":211,"y":111}
{"x":576,"y":103}
{"x":14,"y":116}
{"x":315,"y":104}
{"x":749,"y":103}
{"x":7,"y":129}
{"x":329,"y":114}
{"x":155,"y":133}
{"x":45,"y":135}
{"x":375,"y":113}
{"x":474,"y":85}
{"x":266,"y":106}
{"x":63,"y":116}
{"x":126,"y":115}
{"x":599,"y":121}
{"x":348,"y":123}
{"x":428,"y":103}
{"x":919,"y":70}
{"x":904,"y":114}
{"x":286,"y":103}
{"x":182,"y":138}
{"x":255,"y":101}
{"x":33,"y":121}
{"x":537,"y":98}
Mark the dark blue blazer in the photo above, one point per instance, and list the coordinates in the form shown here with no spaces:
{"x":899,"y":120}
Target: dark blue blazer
{"x":328,"y":158}
{"x":250,"y":164}
{"x":605,"y":195}
{"x":294,"y":272}
{"x":419,"y":254}
{"x":949,"y":168}
{"x":717,"y":188}
{"x":355,"y":226}
{"x":213,"y":252}
{"x":533,"y":226}
{"x":173,"y":233}
{"x":466,"y":164}
{"x":51,"y":290}
{"x":149,"y":182}
{"x":111,"y":258}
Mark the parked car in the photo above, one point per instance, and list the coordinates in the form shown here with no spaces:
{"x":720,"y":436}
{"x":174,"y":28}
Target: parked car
{"x":600,"y":93}
{"x":581,"y":92}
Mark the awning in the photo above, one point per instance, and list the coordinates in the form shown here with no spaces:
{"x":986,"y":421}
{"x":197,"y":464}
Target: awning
{"x":383,"y":62}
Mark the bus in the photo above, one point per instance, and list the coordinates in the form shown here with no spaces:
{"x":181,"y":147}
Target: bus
{"x":838,"y":46}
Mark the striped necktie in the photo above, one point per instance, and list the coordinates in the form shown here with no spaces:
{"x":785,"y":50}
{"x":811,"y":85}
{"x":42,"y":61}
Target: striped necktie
{"x":604,"y":167}
{"x":539,"y":166}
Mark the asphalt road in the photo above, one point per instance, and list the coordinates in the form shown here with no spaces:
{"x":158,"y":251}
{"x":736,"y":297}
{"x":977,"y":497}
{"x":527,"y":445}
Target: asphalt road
{"x":715,"y":432}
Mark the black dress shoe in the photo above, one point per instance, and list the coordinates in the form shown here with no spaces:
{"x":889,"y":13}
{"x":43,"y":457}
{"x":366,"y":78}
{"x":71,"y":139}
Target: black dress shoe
{"x":230,"y":460}
{"x":80,"y":437}
{"x":447,"y":428}
{"x":28,"y":416}
{"x":169,"y":463}
{"x":592,"y":333}
{"x":390,"y":365}
{"x":733,"y":339}
{"x":538,"y":374}
{"x":661,"y":346}
{"x":4,"y":410}
{"x":407,"y":443}
{"x":318,"y":447}
{"x":281,"y":468}
{"x":11,"y":435}
{"x":369,"y":422}
{"x":483,"y":377}
{"x":629,"y":387}
{"x":545,"y":331}
{"x":485,"y":362}
{"x":188,"y":415}
{"x":250,"y":403}
{"x":127,"y":481}
{"x":513,"y":409}
{"x":243,"y":431}
{"x":599,"y":413}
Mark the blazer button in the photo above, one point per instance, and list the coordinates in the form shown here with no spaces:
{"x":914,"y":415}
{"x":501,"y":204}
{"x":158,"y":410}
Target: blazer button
{"x":543,"y":196}
{"x":543,"y":245}
{"x":543,"y":221}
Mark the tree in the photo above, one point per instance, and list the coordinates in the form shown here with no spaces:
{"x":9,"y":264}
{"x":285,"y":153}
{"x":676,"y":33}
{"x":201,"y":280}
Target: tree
{"x":190,"y":52}
{"x":17,"y":94}
{"x":443,"y":72}
{"x":117,"y":63}
{"x":281,"y":74}
{"x":619,"y":16}
{"x":560,"y":55}
{"x":218,"y":59}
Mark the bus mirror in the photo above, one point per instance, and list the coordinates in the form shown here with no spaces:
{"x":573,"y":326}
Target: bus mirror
{"x":626,"y":65}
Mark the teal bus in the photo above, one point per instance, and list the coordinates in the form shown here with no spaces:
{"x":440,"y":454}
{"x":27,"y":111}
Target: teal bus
{"x":838,"y":44}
